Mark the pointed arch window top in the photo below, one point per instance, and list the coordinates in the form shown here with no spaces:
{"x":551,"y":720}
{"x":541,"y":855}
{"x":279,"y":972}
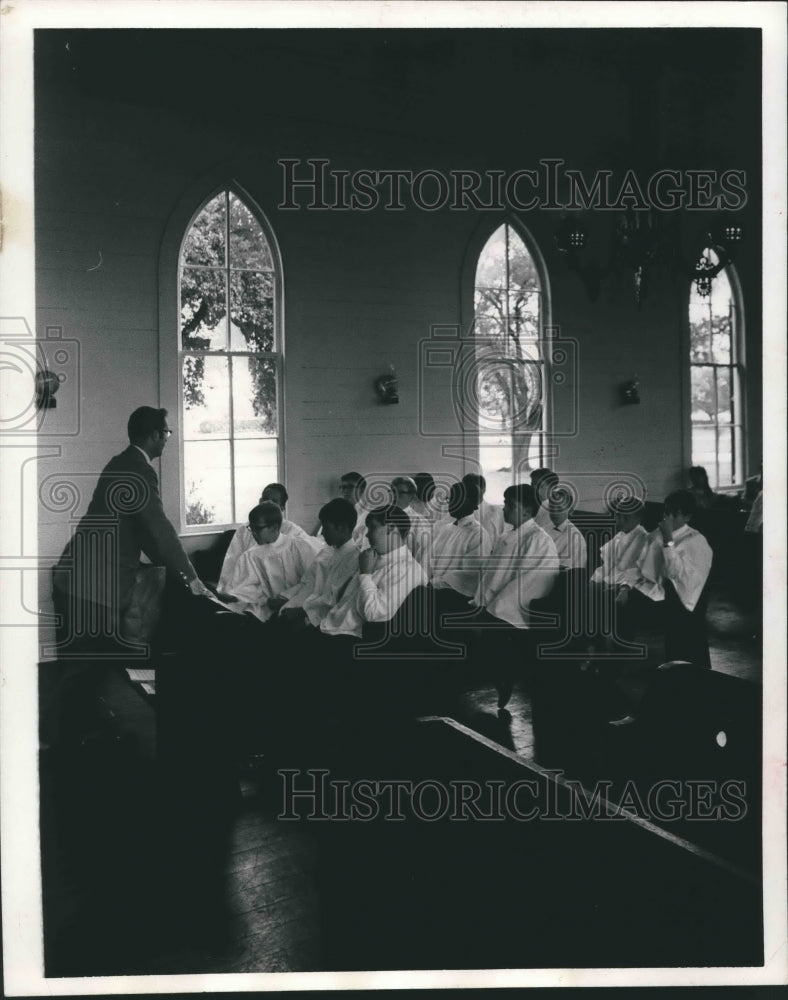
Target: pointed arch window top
{"x":226,"y":222}
{"x":506,"y":263}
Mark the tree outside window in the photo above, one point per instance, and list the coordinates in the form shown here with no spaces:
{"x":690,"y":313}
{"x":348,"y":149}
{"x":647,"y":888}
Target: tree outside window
{"x":716,"y":380}
{"x":509,"y":363}
{"x":229,"y":363}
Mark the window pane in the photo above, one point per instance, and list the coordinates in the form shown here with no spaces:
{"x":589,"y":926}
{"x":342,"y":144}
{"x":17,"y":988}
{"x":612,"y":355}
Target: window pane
{"x":256,"y":465}
{"x":248,"y":245}
{"x":252,"y":310}
{"x":491,"y":304}
{"x":721,"y":340}
{"x":205,"y":242}
{"x":704,"y":405}
{"x":254,"y":397}
{"x":725,"y":446}
{"x":206,"y":398}
{"x":524,"y":314}
{"x":206,"y":473}
{"x":203,"y":310}
{"x":724,"y":412}
{"x":522,"y":271}
{"x":704,"y":449}
{"x":700,"y":329}
{"x":491,"y":269}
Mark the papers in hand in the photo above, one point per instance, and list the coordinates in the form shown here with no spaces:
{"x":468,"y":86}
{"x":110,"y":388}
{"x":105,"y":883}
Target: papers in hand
{"x":139,"y":675}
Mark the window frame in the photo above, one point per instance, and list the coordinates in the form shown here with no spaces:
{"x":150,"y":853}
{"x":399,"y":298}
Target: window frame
{"x":737,"y":367}
{"x":171,"y":352}
{"x":473,"y":436}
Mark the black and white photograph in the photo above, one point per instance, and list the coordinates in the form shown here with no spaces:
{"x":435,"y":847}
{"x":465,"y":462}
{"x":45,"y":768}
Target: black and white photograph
{"x":393,"y":518}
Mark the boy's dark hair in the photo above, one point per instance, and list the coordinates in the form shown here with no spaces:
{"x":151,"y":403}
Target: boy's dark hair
{"x":681,"y":501}
{"x":144,"y":421}
{"x":390,"y":515}
{"x":268,"y":512}
{"x":356,"y":478}
{"x":523,"y":494}
{"x":476,"y":479}
{"x":628,"y":505}
{"x":425,"y":486}
{"x":465,"y":496}
{"x":339,"y":512}
{"x":276,"y":486}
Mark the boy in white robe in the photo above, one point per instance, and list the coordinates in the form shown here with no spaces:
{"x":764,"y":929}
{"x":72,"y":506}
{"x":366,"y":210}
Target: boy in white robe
{"x":458,"y":544}
{"x":309,"y":601}
{"x":243,"y":539}
{"x":523,"y":566}
{"x":274,"y":564}
{"x":490,"y":515}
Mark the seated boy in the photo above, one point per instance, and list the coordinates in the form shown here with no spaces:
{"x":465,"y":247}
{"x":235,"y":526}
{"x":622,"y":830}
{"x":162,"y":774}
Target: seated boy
{"x":243,"y":538}
{"x":457,"y":545}
{"x":567,"y":537}
{"x":310,"y":600}
{"x":543,"y":481}
{"x":523,"y":566}
{"x":622,"y":552}
{"x":418,"y":540}
{"x":490,"y":515}
{"x":387,"y":574}
{"x":275,"y":563}
{"x":672,"y":571}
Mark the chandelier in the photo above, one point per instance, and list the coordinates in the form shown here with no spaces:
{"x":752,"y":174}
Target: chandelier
{"x":642,"y":241}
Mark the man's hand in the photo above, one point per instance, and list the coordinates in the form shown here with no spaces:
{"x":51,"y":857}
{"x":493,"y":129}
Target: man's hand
{"x":366,"y":561}
{"x":198,"y":588}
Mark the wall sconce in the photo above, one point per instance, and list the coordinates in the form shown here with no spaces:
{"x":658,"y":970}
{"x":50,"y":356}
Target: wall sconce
{"x":630,"y":392}
{"x":47,"y":384}
{"x":387,"y":387}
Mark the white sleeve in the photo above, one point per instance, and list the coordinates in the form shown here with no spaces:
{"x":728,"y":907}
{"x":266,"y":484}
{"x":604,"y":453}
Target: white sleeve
{"x":238,"y":545}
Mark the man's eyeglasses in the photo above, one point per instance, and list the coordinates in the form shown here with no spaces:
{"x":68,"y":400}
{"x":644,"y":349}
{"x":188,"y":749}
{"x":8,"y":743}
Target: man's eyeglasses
{"x":256,"y":527}
{"x":166,"y":431}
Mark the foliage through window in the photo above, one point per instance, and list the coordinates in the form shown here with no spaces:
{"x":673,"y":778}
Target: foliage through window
{"x":229,"y":362}
{"x":716,"y":378}
{"x":509,"y":362}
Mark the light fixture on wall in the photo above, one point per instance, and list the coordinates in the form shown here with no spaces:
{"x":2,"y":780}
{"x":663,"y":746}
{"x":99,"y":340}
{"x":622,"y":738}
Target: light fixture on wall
{"x":643,"y":240}
{"x":47,"y":384}
{"x":629,"y":392}
{"x":387,"y":386}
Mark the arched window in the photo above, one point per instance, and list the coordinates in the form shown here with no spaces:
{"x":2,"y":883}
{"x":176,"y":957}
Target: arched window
{"x":229,"y":363}
{"x":716,"y":377}
{"x":509,"y":363}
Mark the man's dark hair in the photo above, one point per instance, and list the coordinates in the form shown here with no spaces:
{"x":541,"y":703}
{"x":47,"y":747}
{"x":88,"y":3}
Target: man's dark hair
{"x":390,"y":515}
{"x":356,"y":478}
{"x":277,"y":486}
{"x":144,"y":421}
{"x":681,"y":501}
{"x":523,"y":494}
{"x":267,"y":512}
{"x":339,"y":512}
{"x":475,"y":479}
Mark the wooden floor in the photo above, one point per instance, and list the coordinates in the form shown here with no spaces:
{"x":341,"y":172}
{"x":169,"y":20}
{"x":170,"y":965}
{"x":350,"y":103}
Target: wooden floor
{"x":228,"y":887}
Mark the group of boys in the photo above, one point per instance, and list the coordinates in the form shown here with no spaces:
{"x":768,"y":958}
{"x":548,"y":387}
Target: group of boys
{"x":367,"y":559}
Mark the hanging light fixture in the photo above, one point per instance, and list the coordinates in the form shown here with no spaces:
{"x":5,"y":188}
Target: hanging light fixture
{"x":643,"y":240}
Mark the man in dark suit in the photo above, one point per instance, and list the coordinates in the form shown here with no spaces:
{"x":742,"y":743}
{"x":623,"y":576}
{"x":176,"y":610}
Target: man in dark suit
{"x":95,"y":576}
